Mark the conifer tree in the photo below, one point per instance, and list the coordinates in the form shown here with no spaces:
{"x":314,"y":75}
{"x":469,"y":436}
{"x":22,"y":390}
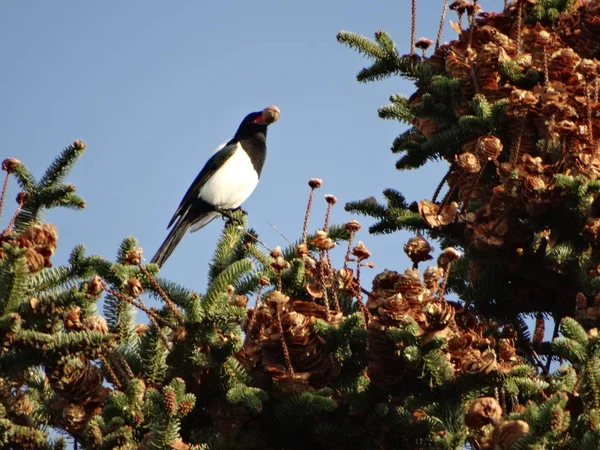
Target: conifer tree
{"x":284,"y":350}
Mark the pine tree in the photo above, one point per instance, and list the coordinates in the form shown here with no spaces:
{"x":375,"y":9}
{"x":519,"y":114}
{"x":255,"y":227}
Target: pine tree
{"x":284,"y":350}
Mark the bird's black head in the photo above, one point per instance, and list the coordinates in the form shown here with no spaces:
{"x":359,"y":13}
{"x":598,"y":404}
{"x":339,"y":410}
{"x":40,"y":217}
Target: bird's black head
{"x":257,"y":122}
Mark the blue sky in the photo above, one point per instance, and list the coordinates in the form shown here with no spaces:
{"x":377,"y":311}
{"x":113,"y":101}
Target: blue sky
{"x":154,"y":87}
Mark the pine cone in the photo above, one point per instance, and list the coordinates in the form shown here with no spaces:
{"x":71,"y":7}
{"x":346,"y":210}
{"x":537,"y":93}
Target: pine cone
{"x":418,"y":249}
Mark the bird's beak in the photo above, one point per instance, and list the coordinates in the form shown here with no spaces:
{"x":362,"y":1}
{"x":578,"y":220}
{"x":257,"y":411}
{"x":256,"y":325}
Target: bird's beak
{"x":269,"y":115}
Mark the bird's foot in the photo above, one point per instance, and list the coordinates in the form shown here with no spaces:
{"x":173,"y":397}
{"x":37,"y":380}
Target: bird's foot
{"x":227,"y":215}
{"x":239,"y":208}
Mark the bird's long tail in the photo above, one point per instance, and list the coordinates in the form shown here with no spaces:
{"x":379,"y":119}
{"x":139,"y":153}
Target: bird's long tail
{"x":177,"y":233}
{"x":167,"y":247}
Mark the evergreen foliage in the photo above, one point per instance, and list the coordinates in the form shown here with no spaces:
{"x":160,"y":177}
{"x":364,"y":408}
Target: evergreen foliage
{"x":283,"y":350}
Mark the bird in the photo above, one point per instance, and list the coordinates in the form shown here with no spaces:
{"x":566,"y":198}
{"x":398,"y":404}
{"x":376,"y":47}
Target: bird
{"x":227,"y":180}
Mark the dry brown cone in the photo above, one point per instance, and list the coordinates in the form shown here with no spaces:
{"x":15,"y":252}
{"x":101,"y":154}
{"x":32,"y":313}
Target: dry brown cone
{"x":80,"y":393}
{"x":40,"y":241}
{"x":418,"y":249}
{"x":307,"y":352}
{"x":79,"y":383}
{"x":266,"y":357}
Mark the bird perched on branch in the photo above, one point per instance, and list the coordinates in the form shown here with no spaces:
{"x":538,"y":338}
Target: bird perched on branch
{"x":224,"y":183}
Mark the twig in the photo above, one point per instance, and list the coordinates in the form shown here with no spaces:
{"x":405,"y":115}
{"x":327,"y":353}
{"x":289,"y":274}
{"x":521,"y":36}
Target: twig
{"x":151,"y":314}
{"x":161,"y":335}
{"x":442,"y":291}
{"x":111,"y":372}
{"x":413,"y":26}
{"x":286,"y":352}
{"x":441,"y":185}
{"x":282,"y":235}
{"x":519,"y":27}
{"x":163,"y":295}
{"x":323,"y":287}
{"x":442,"y":22}
{"x":358,"y":297}
{"x":4,"y":188}
{"x":349,"y":250}
{"x":515,"y":156}
{"x":256,"y":306}
{"x":256,"y":239}
{"x":11,"y":223}
{"x":554,"y":336}
{"x":123,"y":364}
{"x":314,"y":183}
{"x":472,"y":26}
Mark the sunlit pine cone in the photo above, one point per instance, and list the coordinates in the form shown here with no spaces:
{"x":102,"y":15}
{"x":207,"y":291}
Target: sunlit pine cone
{"x":489,"y":147}
{"x":432,"y":277}
{"x":562,"y":64}
{"x":436,"y":216}
{"x":95,"y":287}
{"x":279,"y":264}
{"x":554,"y":98}
{"x":310,"y":309}
{"x":133,"y":257}
{"x":394,"y":310}
{"x":276,"y":299}
{"x":10,"y":164}
{"x":418,"y":249}
{"x":345,"y":281}
{"x":483,"y":411}
{"x":307,"y":351}
{"x":322,"y":241}
{"x":468,"y":162}
{"x":353,"y":225}
{"x":140,"y":329}
{"x":35,"y":261}
{"x":384,"y":283}
{"x":448,"y":256}
{"x":409,"y":284}
{"x":361,"y":252}
{"x":133,"y":287}
{"x":588,"y":68}
{"x":40,"y":241}
{"x":438,"y":315}
{"x":73,"y":318}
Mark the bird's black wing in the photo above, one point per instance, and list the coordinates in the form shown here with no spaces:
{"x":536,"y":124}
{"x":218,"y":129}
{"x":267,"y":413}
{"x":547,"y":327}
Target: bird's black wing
{"x":211,"y":166}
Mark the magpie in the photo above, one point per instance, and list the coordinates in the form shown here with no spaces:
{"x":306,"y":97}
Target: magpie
{"x":224,"y":183}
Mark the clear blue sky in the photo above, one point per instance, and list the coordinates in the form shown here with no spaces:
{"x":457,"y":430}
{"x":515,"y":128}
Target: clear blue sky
{"x":153,"y":88}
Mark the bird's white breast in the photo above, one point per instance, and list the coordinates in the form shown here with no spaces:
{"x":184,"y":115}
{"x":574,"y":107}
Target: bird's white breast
{"x":232,"y":183}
